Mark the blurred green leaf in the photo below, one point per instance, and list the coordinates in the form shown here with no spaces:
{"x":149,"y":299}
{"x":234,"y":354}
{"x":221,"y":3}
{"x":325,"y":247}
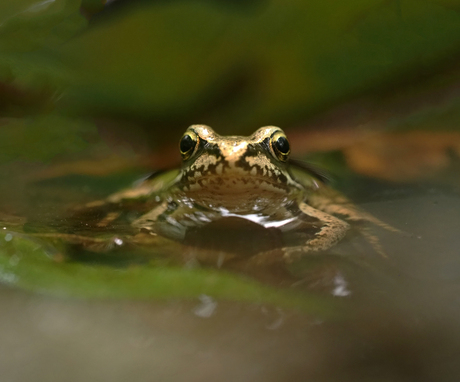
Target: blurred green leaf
{"x":43,"y":137}
{"x":249,"y":68}
{"x":25,"y":263}
{"x":231,"y":66}
{"x":31,"y":74}
{"x":32,"y":24}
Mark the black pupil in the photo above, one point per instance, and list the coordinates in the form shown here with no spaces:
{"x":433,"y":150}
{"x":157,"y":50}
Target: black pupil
{"x":282,"y":145}
{"x":186,"y":144}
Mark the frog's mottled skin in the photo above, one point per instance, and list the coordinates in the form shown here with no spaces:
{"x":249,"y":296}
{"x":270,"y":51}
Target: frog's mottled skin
{"x":247,"y":178}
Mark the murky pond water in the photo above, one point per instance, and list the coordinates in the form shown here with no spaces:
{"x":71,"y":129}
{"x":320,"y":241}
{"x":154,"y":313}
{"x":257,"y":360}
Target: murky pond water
{"x":360,"y":317}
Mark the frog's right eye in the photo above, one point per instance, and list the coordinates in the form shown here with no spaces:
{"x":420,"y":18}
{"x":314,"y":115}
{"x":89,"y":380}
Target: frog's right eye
{"x":280,"y":145}
{"x":187,"y":144}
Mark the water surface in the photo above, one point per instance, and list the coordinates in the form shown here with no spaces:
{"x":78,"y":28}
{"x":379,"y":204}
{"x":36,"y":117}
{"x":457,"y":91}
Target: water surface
{"x":395,"y":319}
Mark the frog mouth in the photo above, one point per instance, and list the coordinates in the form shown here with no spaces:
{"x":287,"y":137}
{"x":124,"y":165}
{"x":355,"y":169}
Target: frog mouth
{"x":236,"y":184}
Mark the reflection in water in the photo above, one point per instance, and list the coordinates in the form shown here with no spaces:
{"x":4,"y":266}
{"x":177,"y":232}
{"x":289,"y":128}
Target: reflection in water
{"x":397,"y":319}
{"x":340,"y":284}
{"x":206,"y":307}
{"x":260,"y":219}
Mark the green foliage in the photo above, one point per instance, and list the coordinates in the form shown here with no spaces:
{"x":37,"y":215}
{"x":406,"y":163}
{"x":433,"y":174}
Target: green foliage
{"x":234,"y":67}
{"x":28,"y":25}
{"x":42,"y":137}
{"x":270,"y":66}
{"x":26,"y":263}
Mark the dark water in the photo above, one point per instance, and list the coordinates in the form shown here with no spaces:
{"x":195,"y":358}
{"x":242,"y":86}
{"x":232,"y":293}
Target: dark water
{"x":398,"y":318}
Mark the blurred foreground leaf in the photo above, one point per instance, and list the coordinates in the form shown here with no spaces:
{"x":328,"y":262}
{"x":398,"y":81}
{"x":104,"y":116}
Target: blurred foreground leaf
{"x":27,"y":264}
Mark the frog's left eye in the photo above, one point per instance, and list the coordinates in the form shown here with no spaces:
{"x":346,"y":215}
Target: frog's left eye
{"x":187,"y":144}
{"x":280,"y":146}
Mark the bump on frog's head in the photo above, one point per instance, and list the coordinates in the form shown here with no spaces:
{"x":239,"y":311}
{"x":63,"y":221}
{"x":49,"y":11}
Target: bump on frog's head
{"x":276,"y":140}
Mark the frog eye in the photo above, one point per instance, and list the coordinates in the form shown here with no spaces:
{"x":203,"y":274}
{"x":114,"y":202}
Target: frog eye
{"x":280,"y":145}
{"x":187,"y":144}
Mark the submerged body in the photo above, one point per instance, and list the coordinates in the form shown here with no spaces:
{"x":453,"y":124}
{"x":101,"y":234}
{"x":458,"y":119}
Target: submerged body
{"x":249,"y":178}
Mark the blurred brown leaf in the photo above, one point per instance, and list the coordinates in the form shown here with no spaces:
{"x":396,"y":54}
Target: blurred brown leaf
{"x":403,"y":157}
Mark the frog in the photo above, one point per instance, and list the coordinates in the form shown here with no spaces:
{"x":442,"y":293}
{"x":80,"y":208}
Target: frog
{"x":250,"y":179}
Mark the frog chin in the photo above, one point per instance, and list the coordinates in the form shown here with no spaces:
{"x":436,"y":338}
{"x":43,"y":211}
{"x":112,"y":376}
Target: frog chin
{"x":236,"y":185}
